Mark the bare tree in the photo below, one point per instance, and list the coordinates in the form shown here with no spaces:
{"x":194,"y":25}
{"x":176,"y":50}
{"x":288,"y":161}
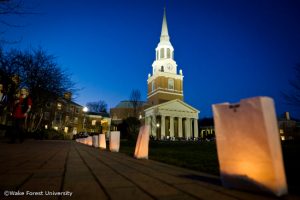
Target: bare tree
{"x":40,"y":73}
{"x":97,"y":106}
{"x":135,"y":100}
{"x":292,"y":96}
{"x":10,"y":8}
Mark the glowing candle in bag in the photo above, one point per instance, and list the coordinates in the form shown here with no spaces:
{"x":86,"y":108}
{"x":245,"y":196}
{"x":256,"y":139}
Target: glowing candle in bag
{"x":248,"y":145}
{"x":142,"y":143}
{"x":102,"y":141}
{"x":114,"y":141}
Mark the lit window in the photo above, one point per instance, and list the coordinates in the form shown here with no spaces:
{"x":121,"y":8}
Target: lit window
{"x":94,"y":122}
{"x":59,"y":106}
{"x":75,"y":119}
{"x":46,"y":126}
{"x":170,"y":84}
{"x":55,"y":127}
{"x":66,"y":129}
{"x":282,"y":138}
{"x":281,"y":131}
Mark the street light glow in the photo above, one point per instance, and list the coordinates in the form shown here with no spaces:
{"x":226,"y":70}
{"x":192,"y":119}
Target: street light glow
{"x":85,"y":109}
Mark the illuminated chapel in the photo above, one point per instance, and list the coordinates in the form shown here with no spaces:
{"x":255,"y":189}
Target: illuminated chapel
{"x":169,"y":115}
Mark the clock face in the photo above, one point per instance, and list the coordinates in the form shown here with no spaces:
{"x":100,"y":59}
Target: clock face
{"x":169,"y":67}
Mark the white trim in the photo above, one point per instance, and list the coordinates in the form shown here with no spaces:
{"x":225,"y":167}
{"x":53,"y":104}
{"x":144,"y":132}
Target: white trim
{"x":157,"y":91}
{"x":168,"y":102}
{"x":165,"y":74}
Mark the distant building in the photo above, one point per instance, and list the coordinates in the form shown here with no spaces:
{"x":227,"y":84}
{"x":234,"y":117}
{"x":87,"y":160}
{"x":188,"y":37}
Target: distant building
{"x":63,"y":115}
{"x":96,"y":123}
{"x":125,"y":109}
{"x":169,"y":115}
{"x":289,"y":129}
{"x":67,"y":116}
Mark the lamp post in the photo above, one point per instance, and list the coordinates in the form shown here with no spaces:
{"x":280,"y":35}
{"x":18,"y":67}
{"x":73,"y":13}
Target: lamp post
{"x":85,"y":109}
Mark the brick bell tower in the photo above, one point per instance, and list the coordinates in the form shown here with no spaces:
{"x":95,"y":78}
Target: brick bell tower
{"x":165,"y":84}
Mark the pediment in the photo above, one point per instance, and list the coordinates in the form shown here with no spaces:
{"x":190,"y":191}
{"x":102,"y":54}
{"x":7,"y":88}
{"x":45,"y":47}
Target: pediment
{"x":176,"y":105}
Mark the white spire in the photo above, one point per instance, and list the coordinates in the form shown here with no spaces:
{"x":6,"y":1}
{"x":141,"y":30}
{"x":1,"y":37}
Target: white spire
{"x":164,"y":29}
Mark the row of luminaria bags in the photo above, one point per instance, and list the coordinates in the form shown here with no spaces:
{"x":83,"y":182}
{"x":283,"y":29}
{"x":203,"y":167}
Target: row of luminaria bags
{"x":248,"y":145}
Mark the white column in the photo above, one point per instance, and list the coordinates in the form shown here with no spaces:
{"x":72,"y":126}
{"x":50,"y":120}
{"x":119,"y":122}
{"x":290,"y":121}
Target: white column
{"x":187,"y":128}
{"x":171,"y":126}
{"x":163,"y":127}
{"x":148,"y":120}
{"x":153,"y":125}
{"x":196,"y":128}
{"x":179,"y":127}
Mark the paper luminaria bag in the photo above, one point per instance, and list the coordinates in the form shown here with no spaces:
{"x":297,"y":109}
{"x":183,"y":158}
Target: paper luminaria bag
{"x":95,"y":141}
{"x":114,"y":141}
{"x":102,"y":141}
{"x":248,"y":145}
{"x":89,"y":141}
{"x":142,"y":143}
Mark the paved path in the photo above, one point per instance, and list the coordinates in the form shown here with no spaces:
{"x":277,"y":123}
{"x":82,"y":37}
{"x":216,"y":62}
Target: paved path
{"x":66,"y":166}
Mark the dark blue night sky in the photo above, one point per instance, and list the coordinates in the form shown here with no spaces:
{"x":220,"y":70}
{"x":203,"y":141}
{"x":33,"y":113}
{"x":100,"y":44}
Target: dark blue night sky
{"x":228,"y":49}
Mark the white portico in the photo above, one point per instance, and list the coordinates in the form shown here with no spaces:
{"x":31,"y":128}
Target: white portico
{"x":174,"y":119}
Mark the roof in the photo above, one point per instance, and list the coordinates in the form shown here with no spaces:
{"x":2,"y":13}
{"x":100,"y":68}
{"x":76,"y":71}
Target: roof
{"x":102,"y":114}
{"x":128,"y":104}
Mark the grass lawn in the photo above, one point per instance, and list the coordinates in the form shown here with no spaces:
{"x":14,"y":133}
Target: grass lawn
{"x":202,"y":156}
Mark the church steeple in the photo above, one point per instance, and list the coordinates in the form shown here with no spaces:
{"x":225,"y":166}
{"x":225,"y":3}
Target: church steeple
{"x":165,"y":83}
{"x":164,"y":50}
{"x":164,"y":36}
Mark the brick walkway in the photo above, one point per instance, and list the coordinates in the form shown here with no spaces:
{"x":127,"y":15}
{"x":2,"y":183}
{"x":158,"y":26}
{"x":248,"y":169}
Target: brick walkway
{"x":65,"y":166}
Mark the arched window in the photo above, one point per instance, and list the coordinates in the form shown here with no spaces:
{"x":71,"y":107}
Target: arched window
{"x":153,"y":86}
{"x":162,"y":53}
{"x":162,"y":69}
{"x":171,"y":84}
{"x":168,"y":53}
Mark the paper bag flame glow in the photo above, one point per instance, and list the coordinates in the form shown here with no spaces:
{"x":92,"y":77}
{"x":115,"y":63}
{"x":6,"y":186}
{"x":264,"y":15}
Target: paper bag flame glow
{"x":114,"y":141}
{"x":102,"y":141}
{"x":142,"y":143}
{"x":248,"y":145}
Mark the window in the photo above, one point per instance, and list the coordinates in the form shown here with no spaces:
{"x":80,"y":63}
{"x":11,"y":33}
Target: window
{"x":170,"y":84}
{"x":67,"y":119}
{"x":57,"y":118}
{"x":162,"y":53}
{"x":75,"y":120}
{"x":168,"y":53}
{"x":46,"y":116}
{"x":59,"y":106}
{"x":153,"y":86}
{"x":162,"y":69}
{"x":66,"y":129}
{"x":94,"y":122}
